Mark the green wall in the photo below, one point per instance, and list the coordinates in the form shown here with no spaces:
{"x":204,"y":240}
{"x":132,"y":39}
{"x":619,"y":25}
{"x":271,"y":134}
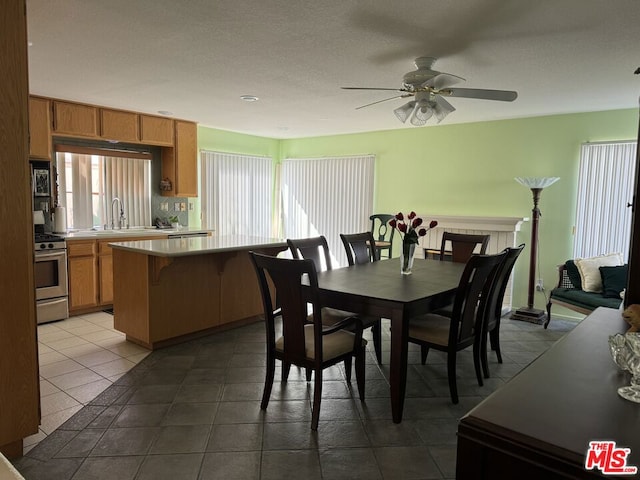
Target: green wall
{"x":468,"y":169}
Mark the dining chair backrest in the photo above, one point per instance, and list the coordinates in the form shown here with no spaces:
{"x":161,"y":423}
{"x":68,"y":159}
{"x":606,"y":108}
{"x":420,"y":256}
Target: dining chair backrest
{"x":500,"y":281}
{"x":462,"y":246}
{"x":360,"y":248}
{"x":284,"y":276}
{"x":471,"y":297}
{"x":382,"y":232}
{"x":315,"y":248}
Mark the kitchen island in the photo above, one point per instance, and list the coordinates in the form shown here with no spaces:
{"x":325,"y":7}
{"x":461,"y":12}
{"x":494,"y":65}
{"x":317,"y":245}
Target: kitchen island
{"x":171,"y":290}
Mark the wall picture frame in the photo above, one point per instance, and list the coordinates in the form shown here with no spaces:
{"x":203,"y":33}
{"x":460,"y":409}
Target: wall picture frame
{"x":41,"y":185}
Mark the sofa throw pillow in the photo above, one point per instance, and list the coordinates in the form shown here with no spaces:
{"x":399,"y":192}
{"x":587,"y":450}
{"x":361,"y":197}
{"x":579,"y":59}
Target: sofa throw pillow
{"x":614,"y":280}
{"x":573,"y":273}
{"x":590,"y":270}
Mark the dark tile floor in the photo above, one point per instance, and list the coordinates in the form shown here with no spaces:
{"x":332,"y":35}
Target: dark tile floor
{"x":192,"y":411}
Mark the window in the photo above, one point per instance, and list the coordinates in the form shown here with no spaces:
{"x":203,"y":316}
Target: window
{"x":327,"y":196}
{"x":88,"y":184}
{"x":605,"y":187}
{"x":237,"y":194}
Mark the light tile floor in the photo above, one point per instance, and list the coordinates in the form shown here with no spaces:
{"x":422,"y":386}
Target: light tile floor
{"x":192,"y":412}
{"x":79,"y":358}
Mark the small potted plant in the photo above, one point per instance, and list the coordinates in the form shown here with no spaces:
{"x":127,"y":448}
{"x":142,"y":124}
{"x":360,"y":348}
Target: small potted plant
{"x":174,"y":222}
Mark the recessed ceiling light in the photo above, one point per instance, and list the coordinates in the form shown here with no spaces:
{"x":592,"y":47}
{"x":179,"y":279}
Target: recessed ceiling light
{"x":249,"y":98}
{"x":165,"y":112}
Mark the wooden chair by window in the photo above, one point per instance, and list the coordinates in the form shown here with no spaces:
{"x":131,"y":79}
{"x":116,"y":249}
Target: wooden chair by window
{"x":317,"y":250}
{"x":464,"y":327}
{"x":382,"y":233}
{"x":361,"y":248}
{"x":309,"y":345}
{"x":458,"y":247}
{"x":493,"y":312}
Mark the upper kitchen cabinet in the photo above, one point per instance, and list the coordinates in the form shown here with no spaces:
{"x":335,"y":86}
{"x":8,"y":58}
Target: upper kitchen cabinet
{"x":39,"y":128}
{"x":119,"y":125}
{"x":75,"y":119}
{"x":156,"y":130}
{"x":179,"y":163}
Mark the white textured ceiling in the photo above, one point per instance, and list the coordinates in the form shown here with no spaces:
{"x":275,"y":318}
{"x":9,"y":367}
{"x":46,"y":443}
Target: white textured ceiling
{"x":196,"y":58}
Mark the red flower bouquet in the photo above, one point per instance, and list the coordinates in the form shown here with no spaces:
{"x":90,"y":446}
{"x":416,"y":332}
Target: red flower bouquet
{"x":410,"y":230}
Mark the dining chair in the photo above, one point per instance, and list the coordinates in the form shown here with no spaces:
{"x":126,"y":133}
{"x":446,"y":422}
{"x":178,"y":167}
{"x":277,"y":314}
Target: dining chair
{"x":493,"y":312}
{"x":312,"y":346}
{"x":317,"y":250}
{"x":462,"y":245}
{"x":361,"y":249}
{"x":464,"y":327}
{"x":382,"y":232}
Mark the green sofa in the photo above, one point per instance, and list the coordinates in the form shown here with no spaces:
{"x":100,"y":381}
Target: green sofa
{"x":569,"y":293}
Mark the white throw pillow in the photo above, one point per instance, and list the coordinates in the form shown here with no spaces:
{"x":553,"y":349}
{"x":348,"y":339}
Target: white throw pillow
{"x":589,"y":269}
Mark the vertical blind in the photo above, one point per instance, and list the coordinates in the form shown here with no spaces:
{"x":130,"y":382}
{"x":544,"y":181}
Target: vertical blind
{"x":236,"y":193}
{"x":605,"y":186}
{"x":327,"y":196}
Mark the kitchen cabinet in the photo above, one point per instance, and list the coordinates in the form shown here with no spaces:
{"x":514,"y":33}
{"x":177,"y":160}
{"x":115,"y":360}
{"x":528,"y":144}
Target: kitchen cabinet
{"x":75,"y":119}
{"x":119,"y":125}
{"x":90,"y":271}
{"x":156,"y":130}
{"x":105,"y":269}
{"x":19,"y":385}
{"x":83,"y":275}
{"x":39,"y":128}
{"x":179,"y":163}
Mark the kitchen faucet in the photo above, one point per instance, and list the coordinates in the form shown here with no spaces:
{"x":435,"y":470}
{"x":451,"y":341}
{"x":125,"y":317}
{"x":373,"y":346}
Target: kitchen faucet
{"x":122,"y":218}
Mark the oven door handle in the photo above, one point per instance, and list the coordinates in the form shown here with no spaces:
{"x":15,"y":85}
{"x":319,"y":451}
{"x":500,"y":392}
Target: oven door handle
{"x":47,"y":255}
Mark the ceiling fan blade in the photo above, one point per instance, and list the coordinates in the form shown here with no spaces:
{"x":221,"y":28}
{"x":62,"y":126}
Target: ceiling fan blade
{"x":374,"y":88}
{"x":385,"y":100}
{"x":443,"y":80}
{"x":501,"y":95}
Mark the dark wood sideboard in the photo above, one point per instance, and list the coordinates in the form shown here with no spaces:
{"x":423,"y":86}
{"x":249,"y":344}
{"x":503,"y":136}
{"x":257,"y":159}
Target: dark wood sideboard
{"x":539,"y":425}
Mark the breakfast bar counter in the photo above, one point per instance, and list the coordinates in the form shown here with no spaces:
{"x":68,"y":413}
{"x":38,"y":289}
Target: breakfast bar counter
{"x":170,"y":290}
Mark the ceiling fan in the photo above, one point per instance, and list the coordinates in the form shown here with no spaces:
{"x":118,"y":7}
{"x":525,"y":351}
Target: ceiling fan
{"x":428,"y":87}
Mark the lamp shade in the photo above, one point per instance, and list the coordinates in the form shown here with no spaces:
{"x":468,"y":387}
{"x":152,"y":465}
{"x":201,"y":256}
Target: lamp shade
{"x":404,"y":111}
{"x":536,"y":182}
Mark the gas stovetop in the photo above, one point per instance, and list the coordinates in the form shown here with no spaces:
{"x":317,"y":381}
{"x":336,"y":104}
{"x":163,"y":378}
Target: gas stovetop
{"x":48,"y":241}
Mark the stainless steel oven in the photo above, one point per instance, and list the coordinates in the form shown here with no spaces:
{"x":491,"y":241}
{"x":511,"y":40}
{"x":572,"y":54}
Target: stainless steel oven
{"x":51,"y":278}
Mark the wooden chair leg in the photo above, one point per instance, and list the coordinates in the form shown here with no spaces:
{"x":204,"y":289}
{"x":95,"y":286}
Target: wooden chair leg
{"x":424,"y":351}
{"x":451,"y":372}
{"x":308,"y":373}
{"x":347,"y":369}
{"x":360,"y":369}
{"x":546,"y":324}
{"x":478,"y":359}
{"x":268,"y":382}
{"x":495,"y":342}
{"x":483,"y":355}
{"x":317,"y":395}
{"x":376,"y":330}
{"x":286,"y":367}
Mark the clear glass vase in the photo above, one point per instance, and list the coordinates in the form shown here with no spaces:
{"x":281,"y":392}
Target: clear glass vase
{"x":625,"y":350}
{"x":406,"y":258}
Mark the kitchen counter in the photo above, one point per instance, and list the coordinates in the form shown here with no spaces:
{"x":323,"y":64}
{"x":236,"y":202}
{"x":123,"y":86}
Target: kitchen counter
{"x":171,"y":290}
{"x":198,"y":245}
{"x":132,"y":232}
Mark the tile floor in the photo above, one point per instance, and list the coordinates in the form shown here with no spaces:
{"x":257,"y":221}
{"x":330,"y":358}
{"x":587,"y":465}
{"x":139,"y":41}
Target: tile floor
{"x":192,"y":411}
{"x":79,"y":358}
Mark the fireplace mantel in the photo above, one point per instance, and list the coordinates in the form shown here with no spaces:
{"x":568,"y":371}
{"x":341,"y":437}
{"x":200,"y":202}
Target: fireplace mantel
{"x":491,"y":224}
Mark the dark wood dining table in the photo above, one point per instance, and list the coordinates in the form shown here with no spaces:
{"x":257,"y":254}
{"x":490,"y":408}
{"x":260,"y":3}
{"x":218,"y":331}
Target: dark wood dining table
{"x":379,"y":289}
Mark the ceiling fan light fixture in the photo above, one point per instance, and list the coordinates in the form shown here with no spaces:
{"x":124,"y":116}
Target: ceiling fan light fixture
{"x":404,"y":112}
{"x":422,"y":114}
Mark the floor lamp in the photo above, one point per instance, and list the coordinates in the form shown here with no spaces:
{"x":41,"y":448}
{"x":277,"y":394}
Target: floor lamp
{"x":530,"y":313}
